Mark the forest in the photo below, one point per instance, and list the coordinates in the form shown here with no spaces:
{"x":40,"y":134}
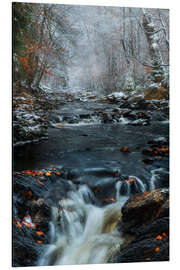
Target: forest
{"x":90,"y":128}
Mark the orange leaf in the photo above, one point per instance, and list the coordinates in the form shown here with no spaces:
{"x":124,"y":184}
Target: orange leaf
{"x":39,"y":233}
{"x":157,"y":249}
{"x":164,"y":234}
{"x":109,"y":199}
{"x":131,"y":180}
{"x":48,"y":173}
{"x":17,"y":223}
{"x":125,"y":149}
{"x":39,"y":241}
{"x":34,"y":173}
{"x":159,"y":237}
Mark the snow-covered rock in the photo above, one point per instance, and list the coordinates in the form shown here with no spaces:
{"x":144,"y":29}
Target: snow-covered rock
{"x":116,"y":96}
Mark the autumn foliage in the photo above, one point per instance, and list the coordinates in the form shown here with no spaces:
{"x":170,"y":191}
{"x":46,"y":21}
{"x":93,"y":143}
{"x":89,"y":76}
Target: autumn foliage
{"x":31,"y":42}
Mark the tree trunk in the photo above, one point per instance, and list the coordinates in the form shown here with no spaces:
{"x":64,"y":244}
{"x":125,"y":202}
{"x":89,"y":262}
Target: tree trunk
{"x":152,"y":35}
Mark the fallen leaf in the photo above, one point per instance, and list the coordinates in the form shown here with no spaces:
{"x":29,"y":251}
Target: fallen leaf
{"x":157,"y":249}
{"x":109,"y":199}
{"x":34,"y":173}
{"x":39,"y":233}
{"x":125,"y":149}
{"x":131,"y":180}
{"x":159,"y":237}
{"x":39,"y":241}
{"x":164,"y":234}
{"x":17,"y":223}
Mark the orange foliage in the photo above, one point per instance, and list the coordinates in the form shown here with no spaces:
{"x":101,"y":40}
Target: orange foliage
{"x":164,"y":234}
{"x":34,"y":173}
{"x":48,"y":173}
{"x":17,"y":223}
{"x":160,"y":150}
{"x":25,"y":62}
{"x":39,"y":233}
{"x":58,"y":173}
{"x":131,"y":180}
{"x":157,"y":249}
{"x":125,"y":149}
{"x":159,"y":237}
{"x":39,"y":241}
{"x":109,"y":199}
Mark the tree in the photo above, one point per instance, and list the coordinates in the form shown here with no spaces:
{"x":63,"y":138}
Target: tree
{"x":37,"y":43}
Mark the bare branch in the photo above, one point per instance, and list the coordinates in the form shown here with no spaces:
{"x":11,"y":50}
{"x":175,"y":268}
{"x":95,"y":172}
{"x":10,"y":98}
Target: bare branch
{"x":128,"y":57}
{"x":164,"y":29}
{"x":145,"y":64}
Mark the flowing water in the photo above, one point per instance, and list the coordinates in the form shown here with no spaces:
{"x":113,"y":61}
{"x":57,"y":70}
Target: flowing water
{"x":83,"y":231}
{"x":87,"y":234}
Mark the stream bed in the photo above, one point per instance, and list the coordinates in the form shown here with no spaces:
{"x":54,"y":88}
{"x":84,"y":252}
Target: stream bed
{"x":100,"y":165}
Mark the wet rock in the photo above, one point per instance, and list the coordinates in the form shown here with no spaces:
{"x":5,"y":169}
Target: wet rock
{"x":25,"y":249}
{"x":34,"y":193}
{"x":159,"y":147}
{"x":138,"y":103}
{"x":159,"y":142}
{"x":139,"y":122}
{"x":146,"y":218}
{"x":147,"y":249}
{"x":142,"y":209}
{"x":148,"y":161}
{"x":154,"y":151}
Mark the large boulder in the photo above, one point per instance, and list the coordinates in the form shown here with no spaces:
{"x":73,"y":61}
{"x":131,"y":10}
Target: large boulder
{"x":145,"y":218}
{"x":142,"y":209}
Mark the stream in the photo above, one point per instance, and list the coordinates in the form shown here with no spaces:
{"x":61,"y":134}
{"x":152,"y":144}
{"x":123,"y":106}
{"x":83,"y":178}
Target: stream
{"x":91,"y":153}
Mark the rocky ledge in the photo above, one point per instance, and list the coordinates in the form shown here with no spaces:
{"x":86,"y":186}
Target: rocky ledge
{"x":144,"y":224}
{"x":145,"y":219}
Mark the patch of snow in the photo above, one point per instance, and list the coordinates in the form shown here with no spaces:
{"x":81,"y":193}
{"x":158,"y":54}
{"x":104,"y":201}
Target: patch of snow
{"x":116,"y":96}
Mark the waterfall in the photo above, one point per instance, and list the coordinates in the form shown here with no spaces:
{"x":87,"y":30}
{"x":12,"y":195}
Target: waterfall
{"x":140,"y":186}
{"x":155,"y":177}
{"x":132,"y":180}
{"x":85,"y":234}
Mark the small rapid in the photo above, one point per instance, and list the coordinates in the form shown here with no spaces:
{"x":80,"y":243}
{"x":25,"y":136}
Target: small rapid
{"x":81,"y":232}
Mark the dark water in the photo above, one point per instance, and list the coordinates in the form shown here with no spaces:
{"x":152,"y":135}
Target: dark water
{"x":92,"y":146}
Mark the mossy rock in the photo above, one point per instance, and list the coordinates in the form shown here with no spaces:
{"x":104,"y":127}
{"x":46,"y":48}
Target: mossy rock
{"x":156,"y":93}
